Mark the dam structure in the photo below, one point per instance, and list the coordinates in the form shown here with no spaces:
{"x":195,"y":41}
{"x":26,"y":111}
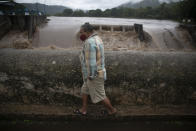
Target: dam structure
{"x":150,"y":68}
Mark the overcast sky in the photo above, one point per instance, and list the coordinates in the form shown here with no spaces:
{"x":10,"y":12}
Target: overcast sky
{"x":81,"y":4}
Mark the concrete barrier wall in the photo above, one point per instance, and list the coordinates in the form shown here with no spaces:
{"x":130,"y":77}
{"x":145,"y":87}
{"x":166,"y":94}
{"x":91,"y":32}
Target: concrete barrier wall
{"x":54,"y":77}
{"x":192,"y":30}
{"x":20,"y":22}
{"x":5,"y":25}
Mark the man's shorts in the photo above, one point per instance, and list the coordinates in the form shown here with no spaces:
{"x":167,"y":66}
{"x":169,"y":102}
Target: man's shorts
{"x":94,"y":88}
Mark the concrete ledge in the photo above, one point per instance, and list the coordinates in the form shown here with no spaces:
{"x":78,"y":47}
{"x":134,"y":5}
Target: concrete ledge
{"x":134,"y":77}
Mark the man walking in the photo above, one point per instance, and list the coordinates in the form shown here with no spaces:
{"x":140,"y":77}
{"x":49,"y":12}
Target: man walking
{"x":93,"y":70}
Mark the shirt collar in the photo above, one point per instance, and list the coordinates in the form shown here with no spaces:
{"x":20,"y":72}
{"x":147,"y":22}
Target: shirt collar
{"x":94,"y":34}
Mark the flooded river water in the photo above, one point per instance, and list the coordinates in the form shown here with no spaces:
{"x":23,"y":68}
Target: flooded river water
{"x":61,"y":31}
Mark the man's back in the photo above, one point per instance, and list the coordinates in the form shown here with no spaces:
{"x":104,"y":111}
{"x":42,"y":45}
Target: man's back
{"x":93,"y":52}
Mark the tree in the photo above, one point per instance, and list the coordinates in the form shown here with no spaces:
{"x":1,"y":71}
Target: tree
{"x":91,"y":13}
{"x":114,"y":12}
{"x":187,"y":9}
{"x":95,"y":13}
{"x":78,"y":13}
{"x":67,"y":12}
{"x":173,"y":10}
{"x":129,"y":12}
{"x":107,"y":13}
{"x":98,"y":13}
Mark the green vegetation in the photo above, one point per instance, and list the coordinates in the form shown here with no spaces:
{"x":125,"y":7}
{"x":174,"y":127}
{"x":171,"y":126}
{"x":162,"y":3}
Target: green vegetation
{"x":174,"y":10}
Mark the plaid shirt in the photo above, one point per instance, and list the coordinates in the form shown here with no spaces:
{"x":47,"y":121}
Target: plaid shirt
{"x":92,"y":58}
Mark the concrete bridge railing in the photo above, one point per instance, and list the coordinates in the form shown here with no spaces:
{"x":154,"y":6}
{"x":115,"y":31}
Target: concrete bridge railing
{"x":123,"y":28}
{"x":134,"y":77}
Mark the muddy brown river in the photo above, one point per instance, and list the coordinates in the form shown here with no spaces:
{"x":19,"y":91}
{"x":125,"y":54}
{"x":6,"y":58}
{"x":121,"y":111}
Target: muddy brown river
{"x":61,"y":32}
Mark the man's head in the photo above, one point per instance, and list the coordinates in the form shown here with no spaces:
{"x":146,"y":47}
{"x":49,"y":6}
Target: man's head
{"x":85,"y":31}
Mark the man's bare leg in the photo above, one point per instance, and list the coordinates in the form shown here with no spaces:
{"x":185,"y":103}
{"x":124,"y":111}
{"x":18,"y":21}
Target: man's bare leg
{"x":84,"y":103}
{"x":109,"y":106}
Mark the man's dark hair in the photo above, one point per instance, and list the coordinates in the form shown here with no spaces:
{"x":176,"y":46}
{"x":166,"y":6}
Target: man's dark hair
{"x":87,"y":27}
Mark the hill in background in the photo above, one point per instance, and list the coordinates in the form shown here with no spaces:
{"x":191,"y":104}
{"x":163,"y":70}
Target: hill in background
{"x":49,"y":9}
{"x":146,"y":3}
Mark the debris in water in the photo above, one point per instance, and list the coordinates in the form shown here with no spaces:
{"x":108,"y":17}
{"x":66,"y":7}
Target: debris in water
{"x":22,"y":44}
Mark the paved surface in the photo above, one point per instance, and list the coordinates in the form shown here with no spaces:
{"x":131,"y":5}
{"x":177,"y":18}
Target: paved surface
{"x":57,"y":112}
{"x":60,"y":118}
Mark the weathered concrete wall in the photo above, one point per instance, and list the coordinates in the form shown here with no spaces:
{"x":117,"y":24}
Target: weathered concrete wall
{"x":54,"y":77}
{"x":5,"y":25}
{"x":20,"y":22}
{"x":192,"y":30}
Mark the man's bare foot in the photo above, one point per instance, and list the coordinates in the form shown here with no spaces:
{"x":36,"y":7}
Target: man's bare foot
{"x":109,"y":113}
{"x":114,"y":111}
{"x":80,"y":112}
{"x":83,"y":111}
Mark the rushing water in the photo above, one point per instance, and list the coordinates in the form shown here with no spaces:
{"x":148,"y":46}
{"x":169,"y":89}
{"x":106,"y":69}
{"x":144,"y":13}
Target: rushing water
{"x":61,"y":31}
